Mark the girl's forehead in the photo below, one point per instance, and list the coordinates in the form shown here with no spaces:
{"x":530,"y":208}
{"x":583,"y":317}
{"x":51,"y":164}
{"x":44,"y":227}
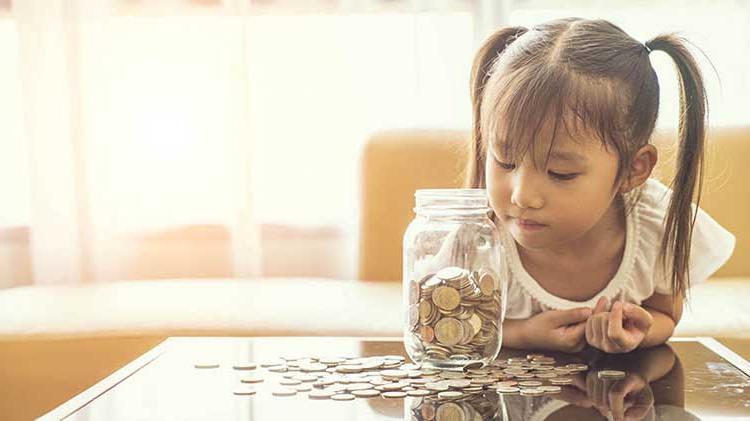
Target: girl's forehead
{"x":565,"y":146}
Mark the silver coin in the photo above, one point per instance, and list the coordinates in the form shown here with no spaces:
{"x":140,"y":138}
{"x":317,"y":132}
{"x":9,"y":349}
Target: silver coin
{"x":450,"y":395}
{"x":394,"y":395}
{"x":367,"y":393}
{"x":343,"y":397}
{"x":206,"y":364}
{"x":611,"y":374}
{"x":244,"y":391}
{"x":283,"y":391}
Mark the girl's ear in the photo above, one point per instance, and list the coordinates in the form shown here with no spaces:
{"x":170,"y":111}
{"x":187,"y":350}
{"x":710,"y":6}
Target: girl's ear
{"x":642,"y":165}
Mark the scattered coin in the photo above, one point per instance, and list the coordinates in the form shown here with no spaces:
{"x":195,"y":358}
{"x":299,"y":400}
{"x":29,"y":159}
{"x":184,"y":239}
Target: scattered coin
{"x":450,"y":395}
{"x":304,"y":387}
{"x":245,"y":366}
{"x":367,"y":393}
{"x":207,"y":364}
{"x":532,"y":391}
{"x":394,"y":395}
{"x":244,"y":391}
{"x":343,"y":397}
{"x":550,"y":389}
{"x":611,"y":374}
{"x":319,"y":394}
{"x":252,"y":379}
{"x":283,"y":391}
{"x":531,"y":383}
{"x":419,"y":392}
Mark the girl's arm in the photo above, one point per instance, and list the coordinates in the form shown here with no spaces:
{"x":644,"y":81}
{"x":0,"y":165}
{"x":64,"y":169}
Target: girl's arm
{"x":666,"y":311}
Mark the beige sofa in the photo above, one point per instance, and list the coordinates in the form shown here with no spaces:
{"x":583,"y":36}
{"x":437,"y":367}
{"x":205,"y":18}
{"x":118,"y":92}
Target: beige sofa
{"x":56,"y":341}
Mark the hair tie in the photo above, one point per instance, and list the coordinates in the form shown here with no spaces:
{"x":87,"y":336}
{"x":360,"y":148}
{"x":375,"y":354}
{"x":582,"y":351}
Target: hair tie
{"x":648,"y":50}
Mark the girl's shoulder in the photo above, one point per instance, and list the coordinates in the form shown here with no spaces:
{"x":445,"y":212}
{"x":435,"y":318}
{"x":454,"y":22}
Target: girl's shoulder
{"x":711,"y":244}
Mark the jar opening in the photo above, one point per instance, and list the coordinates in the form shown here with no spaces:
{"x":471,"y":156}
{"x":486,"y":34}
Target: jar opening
{"x":446,"y":202}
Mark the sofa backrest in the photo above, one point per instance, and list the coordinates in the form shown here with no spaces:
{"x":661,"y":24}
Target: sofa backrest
{"x":397,"y":163}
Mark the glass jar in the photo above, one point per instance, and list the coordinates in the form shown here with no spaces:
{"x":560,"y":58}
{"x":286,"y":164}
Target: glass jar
{"x":454,"y":283}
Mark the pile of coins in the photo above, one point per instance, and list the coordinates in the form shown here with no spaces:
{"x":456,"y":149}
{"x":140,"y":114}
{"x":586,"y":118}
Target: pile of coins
{"x":390,"y":377}
{"x":454,"y":314}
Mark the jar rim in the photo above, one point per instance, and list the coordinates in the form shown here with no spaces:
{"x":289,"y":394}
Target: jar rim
{"x":443,"y":192}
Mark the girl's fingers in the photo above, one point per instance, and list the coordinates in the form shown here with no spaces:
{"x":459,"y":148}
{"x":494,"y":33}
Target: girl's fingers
{"x":615,"y":332}
{"x":638,"y":316}
{"x":601,"y":305}
{"x":590,"y":331}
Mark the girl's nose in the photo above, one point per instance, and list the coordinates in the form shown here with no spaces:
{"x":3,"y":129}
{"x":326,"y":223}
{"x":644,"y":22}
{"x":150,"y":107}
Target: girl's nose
{"x":526,"y":193}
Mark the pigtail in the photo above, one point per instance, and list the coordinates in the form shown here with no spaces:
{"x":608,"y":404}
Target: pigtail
{"x":480,"y":72}
{"x":681,"y":215}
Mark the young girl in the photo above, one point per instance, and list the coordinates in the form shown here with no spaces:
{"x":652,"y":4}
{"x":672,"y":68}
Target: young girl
{"x":598,"y":252}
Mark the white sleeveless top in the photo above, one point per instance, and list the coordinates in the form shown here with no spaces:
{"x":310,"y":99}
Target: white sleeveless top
{"x":639,"y":275}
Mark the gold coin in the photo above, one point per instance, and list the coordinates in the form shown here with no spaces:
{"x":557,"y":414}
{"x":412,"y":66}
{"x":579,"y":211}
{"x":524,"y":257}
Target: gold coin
{"x":476,"y":323}
{"x":449,"y":331}
{"x":425,"y":310}
{"x":413,"y":316}
{"x":487,"y":284}
{"x":427,"y":334}
{"x":450,"y":412}
{"x":446,"y":298}
{"x":413,"y":292}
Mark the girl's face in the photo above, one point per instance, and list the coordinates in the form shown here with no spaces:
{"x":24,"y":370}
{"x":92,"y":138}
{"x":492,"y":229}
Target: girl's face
{"x":549,"y":207}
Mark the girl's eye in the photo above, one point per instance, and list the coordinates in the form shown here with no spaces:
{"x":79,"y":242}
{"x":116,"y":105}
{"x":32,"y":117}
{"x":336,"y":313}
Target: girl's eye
{"x":561,"y":176}
{"x":505,"y":165}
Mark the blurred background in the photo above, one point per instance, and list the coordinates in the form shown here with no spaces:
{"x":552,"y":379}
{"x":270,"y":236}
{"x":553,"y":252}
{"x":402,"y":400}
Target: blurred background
{"x":152,"y":139}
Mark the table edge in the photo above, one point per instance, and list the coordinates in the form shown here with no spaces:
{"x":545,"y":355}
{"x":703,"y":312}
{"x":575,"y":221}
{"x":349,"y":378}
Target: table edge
{"x":84,"y":398}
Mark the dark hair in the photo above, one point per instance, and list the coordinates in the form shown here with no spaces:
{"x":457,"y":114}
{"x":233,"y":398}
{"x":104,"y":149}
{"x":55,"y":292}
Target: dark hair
{"x":589,"y":75}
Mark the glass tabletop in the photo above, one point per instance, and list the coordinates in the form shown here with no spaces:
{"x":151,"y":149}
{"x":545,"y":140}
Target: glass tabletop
{"x":685,"y":380}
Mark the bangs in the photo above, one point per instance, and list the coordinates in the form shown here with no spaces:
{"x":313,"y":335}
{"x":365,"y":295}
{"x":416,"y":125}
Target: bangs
{"x":545,"y":104}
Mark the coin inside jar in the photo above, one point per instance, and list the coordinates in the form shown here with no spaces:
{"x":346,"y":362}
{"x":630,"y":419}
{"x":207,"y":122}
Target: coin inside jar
{"x":446,"y":298}
{"x":449,"y":331}
{"x":487,"y":284}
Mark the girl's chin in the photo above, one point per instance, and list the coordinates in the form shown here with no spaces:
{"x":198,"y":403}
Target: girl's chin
{"x":528,"y":239}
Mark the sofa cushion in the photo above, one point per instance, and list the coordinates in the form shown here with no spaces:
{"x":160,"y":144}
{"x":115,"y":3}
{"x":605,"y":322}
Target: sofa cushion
{"x":259,"y":307}
{"x":276,"y":307}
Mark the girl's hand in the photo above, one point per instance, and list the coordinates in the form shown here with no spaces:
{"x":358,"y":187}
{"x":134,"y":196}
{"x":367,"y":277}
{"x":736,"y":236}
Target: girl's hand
{"x":558,"y":330}
{"x":619,"y":330}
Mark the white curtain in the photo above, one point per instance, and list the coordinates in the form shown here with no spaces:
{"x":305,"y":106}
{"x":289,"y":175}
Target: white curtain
{"x":147,"y":139}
